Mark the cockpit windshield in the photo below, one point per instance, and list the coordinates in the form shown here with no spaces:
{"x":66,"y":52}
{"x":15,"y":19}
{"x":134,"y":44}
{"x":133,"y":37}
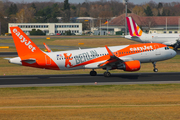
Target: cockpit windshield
{"x":166,"y":48}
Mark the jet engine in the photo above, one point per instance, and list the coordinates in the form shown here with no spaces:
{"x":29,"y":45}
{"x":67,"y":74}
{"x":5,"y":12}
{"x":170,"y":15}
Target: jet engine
{"x":134,"y":65}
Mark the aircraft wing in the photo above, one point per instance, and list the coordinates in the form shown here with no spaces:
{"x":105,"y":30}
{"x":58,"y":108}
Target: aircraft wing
{"x":170,"y":43}
{"x":113,"y":60}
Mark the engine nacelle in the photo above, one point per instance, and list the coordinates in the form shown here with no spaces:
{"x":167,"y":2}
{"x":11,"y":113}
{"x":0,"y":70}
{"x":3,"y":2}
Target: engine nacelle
{"x":134,"y":65}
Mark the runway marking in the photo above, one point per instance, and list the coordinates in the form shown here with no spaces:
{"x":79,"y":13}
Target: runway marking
{"x":84,"y":106}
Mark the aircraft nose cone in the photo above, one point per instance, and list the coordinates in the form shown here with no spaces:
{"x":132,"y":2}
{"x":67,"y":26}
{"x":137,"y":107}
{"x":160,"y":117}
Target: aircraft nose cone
{"x":173,"y":53}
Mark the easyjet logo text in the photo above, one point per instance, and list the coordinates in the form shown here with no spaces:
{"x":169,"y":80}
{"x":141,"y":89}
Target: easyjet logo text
{"x":141,"y":48}
{"x":24,"y":40}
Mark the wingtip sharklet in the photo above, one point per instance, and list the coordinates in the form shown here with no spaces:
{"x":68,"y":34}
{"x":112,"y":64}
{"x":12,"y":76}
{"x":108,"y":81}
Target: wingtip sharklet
{"x":109,"y":51}
{"x":47,"y":48}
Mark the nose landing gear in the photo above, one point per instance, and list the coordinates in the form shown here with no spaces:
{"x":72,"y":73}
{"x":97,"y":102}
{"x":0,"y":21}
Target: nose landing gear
{"x":154,"y":65}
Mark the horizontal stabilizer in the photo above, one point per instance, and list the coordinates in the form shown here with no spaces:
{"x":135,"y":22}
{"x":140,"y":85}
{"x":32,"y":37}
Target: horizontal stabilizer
{"x":134,"y":37}
{"x":30,"y":61}
{"x":7,"y":58}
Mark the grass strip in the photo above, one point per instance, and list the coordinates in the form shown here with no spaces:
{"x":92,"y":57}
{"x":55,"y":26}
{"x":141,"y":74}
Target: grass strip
{"x":135,"y":102}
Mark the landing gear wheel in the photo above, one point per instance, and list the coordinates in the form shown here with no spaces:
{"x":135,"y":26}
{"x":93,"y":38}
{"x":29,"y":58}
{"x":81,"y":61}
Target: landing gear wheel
{"x":107,"y":74}
{"x":93,"y":73}
{"x":155,"y":70}
{"x":154,"y":65}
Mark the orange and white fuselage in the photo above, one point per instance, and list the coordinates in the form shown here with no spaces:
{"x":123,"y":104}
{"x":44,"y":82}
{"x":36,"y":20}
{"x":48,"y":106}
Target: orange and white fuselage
{"x":126,"y":57}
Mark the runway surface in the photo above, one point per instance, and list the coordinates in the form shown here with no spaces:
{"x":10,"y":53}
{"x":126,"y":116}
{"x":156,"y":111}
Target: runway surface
{"x":85,"y":79}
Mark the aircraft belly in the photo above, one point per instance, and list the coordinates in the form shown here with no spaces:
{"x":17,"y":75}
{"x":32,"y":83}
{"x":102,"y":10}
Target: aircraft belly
{"x":92,"y":66}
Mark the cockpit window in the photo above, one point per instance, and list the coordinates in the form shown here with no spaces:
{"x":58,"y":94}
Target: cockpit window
{"x":166,"y":48}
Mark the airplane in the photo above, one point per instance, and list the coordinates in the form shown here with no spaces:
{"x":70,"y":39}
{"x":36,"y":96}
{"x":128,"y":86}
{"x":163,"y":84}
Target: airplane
{"x":138,"y":35}
{"x":125,"y":57}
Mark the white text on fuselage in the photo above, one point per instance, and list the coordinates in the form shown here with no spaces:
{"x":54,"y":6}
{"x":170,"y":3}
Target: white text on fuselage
{"x":83,"y":57}
{"x":80,"y":58}
{"x":141,"y":48}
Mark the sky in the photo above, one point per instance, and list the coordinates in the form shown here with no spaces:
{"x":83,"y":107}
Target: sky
{"x":81,"y":1}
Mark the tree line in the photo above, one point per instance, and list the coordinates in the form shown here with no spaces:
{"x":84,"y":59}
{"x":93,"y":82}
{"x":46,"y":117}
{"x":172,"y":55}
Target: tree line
{"x":47,"y":12}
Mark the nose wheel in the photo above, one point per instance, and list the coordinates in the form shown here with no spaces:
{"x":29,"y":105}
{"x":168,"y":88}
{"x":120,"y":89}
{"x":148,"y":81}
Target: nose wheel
{"x":155,"y":70}
{"x":154,"y":65}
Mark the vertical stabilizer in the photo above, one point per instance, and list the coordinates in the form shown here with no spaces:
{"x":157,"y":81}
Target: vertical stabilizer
{"x":134,"y":29}
{"x":24,"y":45}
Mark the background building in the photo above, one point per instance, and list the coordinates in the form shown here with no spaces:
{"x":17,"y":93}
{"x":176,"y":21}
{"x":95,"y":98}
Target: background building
{"x":149,"y":24}
{"x":49,"y":28}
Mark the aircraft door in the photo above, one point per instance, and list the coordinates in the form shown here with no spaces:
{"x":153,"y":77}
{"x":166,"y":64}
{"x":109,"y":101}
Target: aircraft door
{"x":48,"y":60}
{"x":157,"y":51}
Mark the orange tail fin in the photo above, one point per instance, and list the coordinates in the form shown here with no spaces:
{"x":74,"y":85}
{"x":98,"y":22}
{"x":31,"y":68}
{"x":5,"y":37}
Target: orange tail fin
{"x":24,"y":45}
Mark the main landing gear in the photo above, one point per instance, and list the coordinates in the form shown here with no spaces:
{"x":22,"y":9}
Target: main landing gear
{"x":93,"y":73}
{"x":154,"y":65}
{"x":106,"y":74}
